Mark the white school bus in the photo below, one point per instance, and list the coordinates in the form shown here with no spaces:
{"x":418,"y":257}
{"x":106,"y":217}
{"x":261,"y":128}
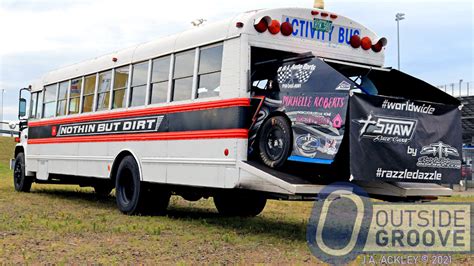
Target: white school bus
{"x":248,"y":109}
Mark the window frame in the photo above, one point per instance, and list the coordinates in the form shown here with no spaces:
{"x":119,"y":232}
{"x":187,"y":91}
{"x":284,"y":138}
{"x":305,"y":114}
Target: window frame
{"x":192,"y":76}
{"x":199,"y":73}
{"x":34,"y":95}
{"x":65,"y":99}
{"x":55,"y":101}
{"x":93,"y":94}
{"x":146,"y":84}
{"x":160,"y":81}
{"x":97,"y":93}
{"x":69,"y":97}
{"x":125,"y":89}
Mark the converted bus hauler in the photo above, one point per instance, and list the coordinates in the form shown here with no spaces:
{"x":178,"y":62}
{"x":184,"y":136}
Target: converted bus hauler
{"x":269,"y":104}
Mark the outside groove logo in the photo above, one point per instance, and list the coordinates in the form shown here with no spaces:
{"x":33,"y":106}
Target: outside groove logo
{"x":345,"y":223}
{"x":386,"y":129}
{"x":440,"y":152}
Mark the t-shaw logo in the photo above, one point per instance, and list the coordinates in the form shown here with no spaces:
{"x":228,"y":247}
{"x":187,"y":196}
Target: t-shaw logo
{"x":131,"y":125}
{"x":386,"y":129}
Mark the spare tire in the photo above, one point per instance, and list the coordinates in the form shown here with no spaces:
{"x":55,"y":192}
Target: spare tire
{"x":274,"y":141}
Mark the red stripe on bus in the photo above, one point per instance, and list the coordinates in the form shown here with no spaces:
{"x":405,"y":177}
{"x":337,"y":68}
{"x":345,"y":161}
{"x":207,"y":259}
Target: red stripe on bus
{"x":146,"y":111}
{"x":184,"y":135}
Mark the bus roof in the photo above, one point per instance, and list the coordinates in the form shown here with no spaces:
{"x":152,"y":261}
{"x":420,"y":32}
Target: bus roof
{"x":333,"y":45}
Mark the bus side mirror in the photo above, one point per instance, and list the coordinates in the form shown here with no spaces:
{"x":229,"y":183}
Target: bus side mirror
{"x":22,"y":108}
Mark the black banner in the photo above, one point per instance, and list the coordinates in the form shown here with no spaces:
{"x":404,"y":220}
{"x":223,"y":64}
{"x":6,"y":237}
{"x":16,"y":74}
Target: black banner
{"x":400,"y":140}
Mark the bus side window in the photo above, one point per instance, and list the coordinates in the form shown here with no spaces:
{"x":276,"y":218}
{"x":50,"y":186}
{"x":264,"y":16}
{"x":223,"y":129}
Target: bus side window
{"x":75,"y":95}
{"x":62,"y":98}
{"x":209,"y":75}
{"x":39,"y":105}
{"x":49,"y":102}
{"x":103,"y":91}
{"x":33,"y":104}
{"x":139,"y":81}
{"x":159,"y":79}
{"x":183,"y":75}
{"x":88,"y":95}
{"x":120,"y":87}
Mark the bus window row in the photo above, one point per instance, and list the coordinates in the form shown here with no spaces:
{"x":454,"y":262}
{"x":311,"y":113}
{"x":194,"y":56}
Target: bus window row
{"x":181,"y":76}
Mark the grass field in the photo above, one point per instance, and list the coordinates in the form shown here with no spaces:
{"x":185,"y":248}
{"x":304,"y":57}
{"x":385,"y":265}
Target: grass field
{"x":68,"y":224}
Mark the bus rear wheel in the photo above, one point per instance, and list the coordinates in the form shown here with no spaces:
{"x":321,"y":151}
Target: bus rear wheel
{"x":274,"y":142}
{"x":135,"y":197}
{"x":21,"y":181}
{"x":244,"y":204}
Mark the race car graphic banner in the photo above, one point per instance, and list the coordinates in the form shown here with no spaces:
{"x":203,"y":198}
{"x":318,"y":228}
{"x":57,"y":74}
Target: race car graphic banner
{"x":314,"y":96}
{"x":400,"y":140}
{"x":317,"y":123}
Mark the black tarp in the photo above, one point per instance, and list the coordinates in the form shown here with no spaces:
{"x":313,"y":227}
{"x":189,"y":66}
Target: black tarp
{"x":395,"y":139}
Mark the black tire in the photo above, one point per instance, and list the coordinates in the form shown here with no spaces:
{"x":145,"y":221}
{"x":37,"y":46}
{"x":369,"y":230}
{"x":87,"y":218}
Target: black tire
{"x":102,"y":189}
{"x":244,"y":204}
{"x":20,"y":180}
{"x":135,"y":197}
{"x":274,"y":142}
{"x":128,"y":189}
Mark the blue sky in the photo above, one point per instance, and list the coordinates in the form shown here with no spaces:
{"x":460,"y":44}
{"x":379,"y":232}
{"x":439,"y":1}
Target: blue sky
{"x":41,"y":35}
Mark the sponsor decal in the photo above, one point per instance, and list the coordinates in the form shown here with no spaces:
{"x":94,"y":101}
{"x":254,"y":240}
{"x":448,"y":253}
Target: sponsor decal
{"x":409,"y":107}
{"x":321,"y":119}
{"x":343,"y":86}
{"x":314,"y":119}
{"x":316,"y":102}
{"x":308,"y":143}
{"x":438,"y":154}
{"x":386,"y":129}
{"x":116,"y":126}
{"x":329,"y":147}
{"x":408,"y":175}
{"x":337,"y":121}
{"x":295,"y":75}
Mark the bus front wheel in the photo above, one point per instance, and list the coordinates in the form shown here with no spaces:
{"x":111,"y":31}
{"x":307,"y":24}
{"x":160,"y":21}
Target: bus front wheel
{"x":136,"y":197}
{"x":244,"y":204}
{"x":21,"y":181}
